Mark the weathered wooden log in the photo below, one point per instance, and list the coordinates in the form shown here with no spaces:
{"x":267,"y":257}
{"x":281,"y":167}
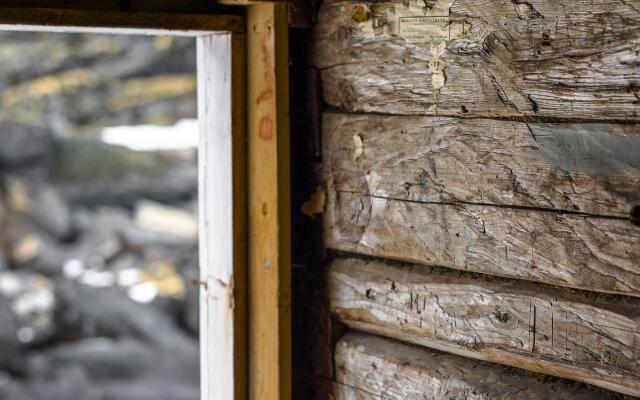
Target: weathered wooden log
{"x":370,"y":367}
{"x":595,"y":253}
{"x":589,"y":168}
{"x":561,"y":332}
{"x":494,"y":58}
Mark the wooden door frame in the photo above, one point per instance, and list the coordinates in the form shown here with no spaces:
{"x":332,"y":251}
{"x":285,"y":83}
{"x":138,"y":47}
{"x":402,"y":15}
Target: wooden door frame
{"x":245,"y":328}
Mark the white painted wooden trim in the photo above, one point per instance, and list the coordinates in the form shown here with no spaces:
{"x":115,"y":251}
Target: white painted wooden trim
{"x":218,"y":333}
{"x":104,"y":31}
{"x":216,"y":217}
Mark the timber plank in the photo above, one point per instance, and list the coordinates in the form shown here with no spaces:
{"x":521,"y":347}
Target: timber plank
{"x":222,"y":225}
{"x":107,"y":21}
{"x":269,"y":203}
{"x":600,"y":254}
{"x":503,"y":58}
{"x":370,"y":367}
{"x":589,"y":168}
{"x":161,"y":6}
{"x":560,"y":332}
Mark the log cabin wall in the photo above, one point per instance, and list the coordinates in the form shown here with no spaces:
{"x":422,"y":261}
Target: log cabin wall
{"x":482,"y":167}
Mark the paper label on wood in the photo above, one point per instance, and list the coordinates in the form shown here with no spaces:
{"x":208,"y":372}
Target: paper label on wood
{"x":414,"y":21}
{"x":424,"y":29}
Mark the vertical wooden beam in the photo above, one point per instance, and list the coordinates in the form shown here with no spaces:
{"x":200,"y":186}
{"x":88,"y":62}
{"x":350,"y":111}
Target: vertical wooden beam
{"x":222,"y":196}
{"x":269,"y":203}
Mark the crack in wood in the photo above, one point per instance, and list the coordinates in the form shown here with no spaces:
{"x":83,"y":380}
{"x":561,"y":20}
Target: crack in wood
{"x":514,"y":207}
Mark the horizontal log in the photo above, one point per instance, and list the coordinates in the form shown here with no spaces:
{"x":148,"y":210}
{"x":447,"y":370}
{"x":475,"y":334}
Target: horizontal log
{"x":491,"y":58}
{"x":560,"y":332}
{"x":370,"y":367}
{"x":590,"y":168}
{"x":600,"y":254}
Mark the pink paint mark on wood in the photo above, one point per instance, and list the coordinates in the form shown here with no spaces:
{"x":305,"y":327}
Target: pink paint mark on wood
{"x":266,"y":95}
{"x":266,"y":128}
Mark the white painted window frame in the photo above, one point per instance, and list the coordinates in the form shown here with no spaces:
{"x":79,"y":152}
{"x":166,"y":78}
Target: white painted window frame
{"x":221,"y":158}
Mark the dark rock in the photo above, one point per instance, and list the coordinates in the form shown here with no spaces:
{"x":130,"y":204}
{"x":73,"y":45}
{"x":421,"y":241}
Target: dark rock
{"x":102,"y":359}
{"x":68,"y":387}
{"x":20,"y":241}
{"x":23,"y":145}
{"x":153,"y":390}
{"x":109,"y":312}
{"x":66,"y":204}
{"x":189,"y":269}
{"x":104,"y":80}
{"x":100,"y":227}
{"x":105,"y":238}
{"x":90,"y":173}
{"x":67,"y":383}
{"x":10,"y":347}
{"x":41,"y":203}
{"x":96,"y":240}
{"x":129,"y":362}
{"x":26,"y":309}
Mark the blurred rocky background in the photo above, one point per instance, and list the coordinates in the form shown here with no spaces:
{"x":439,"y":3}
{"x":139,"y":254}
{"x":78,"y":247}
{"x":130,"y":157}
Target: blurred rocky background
{"x":98,"y":242}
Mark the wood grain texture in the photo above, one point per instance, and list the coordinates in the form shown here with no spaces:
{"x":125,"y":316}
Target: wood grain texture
{"x":222,"y":200}
{"x":242,"y":2}
{"x":107,"y":21}
{"x":577,"y":251}
{"x":589,"y":168}
{"x":149,"y":6}
{"x":269,"y":203}
{"x":541,"y":58}
{"x":547,"y":330}
{"x":370,"y":367}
